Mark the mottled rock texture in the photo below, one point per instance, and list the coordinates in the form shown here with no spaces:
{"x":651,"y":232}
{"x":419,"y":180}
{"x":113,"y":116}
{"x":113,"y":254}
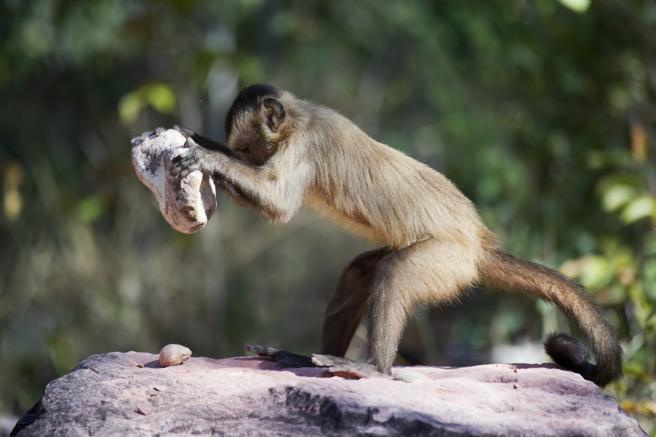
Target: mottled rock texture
{"x":130,"y":394}
{"x":187,"y":204}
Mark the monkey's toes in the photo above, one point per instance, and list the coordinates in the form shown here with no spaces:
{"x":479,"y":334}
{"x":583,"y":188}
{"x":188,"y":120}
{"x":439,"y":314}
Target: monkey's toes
{"x":346,"y":368}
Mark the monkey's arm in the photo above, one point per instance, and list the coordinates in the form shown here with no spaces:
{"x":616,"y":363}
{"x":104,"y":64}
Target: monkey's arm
{"x":204,"y":142}
{"x":228,"y":188}
{"x":278,"y":196}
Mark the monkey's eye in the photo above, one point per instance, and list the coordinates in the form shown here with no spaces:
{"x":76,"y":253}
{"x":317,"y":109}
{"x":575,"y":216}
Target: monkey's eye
{"x":241,"y":147}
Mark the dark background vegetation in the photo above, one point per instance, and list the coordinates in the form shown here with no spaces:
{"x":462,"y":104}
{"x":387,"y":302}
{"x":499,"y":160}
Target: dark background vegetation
{"x":541,"y":111}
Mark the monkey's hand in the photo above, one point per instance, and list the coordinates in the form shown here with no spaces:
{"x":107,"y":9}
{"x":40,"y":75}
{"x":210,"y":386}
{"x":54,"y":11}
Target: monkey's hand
{"x":284,"y":358}
{"x":199,"y":140}
{"x":185,"y":132}
{"x":191,"y":158}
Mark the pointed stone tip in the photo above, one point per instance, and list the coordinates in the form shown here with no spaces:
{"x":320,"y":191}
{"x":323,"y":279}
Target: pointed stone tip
{"x":136,"y":141}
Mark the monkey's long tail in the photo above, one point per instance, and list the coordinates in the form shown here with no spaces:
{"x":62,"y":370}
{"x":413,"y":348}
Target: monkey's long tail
{"x":502,"y":270}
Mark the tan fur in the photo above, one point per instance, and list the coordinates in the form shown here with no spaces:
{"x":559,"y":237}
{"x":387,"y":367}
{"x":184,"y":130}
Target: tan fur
{"x":435,"y":244}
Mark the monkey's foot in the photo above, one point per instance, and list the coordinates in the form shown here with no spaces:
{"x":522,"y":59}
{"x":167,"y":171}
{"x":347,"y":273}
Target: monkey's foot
{"x":284,"y":358}
{"x":337,"y":366}
{"x":345,"y":368}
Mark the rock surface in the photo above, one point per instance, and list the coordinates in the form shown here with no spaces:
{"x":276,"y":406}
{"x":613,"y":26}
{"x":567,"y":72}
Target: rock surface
{"x":130,"y":394}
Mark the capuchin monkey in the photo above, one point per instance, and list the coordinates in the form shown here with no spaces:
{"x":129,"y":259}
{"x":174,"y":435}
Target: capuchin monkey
{"x":284,"y":152}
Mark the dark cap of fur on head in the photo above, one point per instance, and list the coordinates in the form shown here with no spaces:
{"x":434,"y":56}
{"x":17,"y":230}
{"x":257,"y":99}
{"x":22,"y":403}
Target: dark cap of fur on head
{"x":248,"y":98}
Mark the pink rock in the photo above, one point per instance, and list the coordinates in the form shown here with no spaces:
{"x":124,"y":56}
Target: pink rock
{"x":130,"y":394}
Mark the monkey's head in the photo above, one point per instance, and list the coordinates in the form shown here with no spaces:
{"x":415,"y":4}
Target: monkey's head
{"x":256,"y":123}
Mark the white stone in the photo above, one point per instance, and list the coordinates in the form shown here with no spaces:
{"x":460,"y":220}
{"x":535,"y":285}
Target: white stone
{"x":187,"y":205}
{"x":173,"y":355}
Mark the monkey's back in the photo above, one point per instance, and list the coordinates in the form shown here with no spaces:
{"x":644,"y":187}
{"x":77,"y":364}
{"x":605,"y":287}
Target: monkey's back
{"x":387,"y":195}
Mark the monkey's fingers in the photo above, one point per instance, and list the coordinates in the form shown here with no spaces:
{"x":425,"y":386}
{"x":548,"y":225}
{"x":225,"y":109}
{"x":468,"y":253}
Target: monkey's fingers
{"x":261,"y":350}
{"x":186,"y":161}
{"x":184,"y":131}
{"x":284,"y":358}
{"x":176,"y":169}
{"x":346,"y":368}
{"x":191,"y":142}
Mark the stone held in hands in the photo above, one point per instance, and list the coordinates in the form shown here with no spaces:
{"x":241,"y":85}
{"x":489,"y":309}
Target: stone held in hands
{"x":186,"y":204}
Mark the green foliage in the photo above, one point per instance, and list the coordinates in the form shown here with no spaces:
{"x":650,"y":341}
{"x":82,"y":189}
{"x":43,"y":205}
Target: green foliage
{"x":541,"y":112}
{"x":159,"y":95}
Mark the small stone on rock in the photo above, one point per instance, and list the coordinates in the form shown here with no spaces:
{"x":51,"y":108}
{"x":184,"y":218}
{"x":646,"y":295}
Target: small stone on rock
{"x":173,"y":355}
{"x":143,"y":410}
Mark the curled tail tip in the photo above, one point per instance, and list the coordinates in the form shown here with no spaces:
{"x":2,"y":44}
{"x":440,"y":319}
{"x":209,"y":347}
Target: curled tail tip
{"x":566,"y":351}
{"x":571,"y":354}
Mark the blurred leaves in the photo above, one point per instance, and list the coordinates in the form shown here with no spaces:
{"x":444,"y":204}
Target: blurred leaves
{"x":638,"y":208}
{"x":621,"y":194}
{"x":90,"y":209}
{"x":576,"y":5}
{"x":593,"y":271}
{"x":159,"y":95}
{"x":617,"y":196}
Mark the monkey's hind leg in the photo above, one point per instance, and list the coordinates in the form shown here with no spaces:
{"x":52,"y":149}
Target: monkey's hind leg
{"x":349,"y":303}
{"x":429,"y":271}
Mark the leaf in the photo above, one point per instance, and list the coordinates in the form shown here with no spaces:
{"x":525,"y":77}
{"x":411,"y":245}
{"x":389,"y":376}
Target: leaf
{"x":158,"y":95}
{"x":90,"y":209}
{"x":617,"y":196}
{"x":595,"y":271}
{"x":643,"y":206}
{"x":129,"y":107}
{"x":161,"y":97}
{"x":579,"y":6}
{"x":634,"y":368}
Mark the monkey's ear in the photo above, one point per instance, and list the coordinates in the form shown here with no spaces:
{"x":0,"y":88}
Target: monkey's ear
{"x":274,"y":112}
